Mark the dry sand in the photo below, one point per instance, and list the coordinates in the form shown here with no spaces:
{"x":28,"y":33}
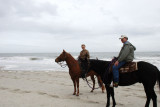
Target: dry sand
{"x":54,"y":89}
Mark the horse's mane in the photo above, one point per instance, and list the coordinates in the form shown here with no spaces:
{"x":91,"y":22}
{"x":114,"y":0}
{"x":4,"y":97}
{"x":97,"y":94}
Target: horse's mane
{"x":100,"y":67}
{"x":99,"y":64}
{"x":69,"y":55}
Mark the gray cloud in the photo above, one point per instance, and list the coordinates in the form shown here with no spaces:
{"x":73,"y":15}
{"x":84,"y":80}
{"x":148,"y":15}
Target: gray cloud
{"x":25,"y":8}
{"x":53,"y":25}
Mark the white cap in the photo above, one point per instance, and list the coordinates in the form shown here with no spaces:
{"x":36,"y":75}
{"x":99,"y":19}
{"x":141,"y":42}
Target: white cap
{"x":123,"y":36}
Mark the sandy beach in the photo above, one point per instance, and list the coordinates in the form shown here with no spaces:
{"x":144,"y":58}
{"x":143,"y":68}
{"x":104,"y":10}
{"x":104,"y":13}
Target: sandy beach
{"x":54,"y":89}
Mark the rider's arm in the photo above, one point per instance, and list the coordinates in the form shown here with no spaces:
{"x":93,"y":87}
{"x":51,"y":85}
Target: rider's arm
{"x":87,"y":55}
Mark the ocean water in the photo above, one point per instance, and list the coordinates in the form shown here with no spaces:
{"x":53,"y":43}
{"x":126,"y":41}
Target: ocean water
{"x":46,"y":61}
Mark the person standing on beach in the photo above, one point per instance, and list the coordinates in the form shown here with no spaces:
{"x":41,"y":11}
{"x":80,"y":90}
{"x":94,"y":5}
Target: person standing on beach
{"x":83,"y":59}
{"x":126,"y":55}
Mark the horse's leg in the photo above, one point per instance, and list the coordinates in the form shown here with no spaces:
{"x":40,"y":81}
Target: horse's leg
{"x":113,"y":99}
{"x":74,"y":83}
{"x":77,"y":81}
{"x":148,"y":94}
{"x":93,"y":80}
{"x":101,"y":83}
{"x":154,"y":98}
{"x":108,"y":95}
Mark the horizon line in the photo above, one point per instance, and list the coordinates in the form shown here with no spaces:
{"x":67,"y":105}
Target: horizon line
{"x":67,"y":51}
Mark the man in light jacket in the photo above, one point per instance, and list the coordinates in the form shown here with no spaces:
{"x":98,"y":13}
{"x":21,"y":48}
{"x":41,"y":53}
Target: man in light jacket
{"x":126,"y":55}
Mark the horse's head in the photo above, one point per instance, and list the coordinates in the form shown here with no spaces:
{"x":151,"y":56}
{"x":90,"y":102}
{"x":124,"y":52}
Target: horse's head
{"x":61,"y":57}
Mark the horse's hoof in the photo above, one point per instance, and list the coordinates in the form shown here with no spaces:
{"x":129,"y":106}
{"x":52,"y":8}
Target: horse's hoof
{"x":102,"y":91}
{"x":77,"y":95}
{"x":74,"y":93}
{"x":114,"y":105}
{"x":107,"y":105}
{"x":91,"y":91}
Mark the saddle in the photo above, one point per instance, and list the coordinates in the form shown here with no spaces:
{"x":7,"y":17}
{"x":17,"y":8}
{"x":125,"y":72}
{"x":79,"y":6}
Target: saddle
{"x":128,"y":67}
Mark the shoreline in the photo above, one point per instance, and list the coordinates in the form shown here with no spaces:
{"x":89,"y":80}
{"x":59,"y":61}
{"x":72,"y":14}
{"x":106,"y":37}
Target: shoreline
{"x":55,"y":88}
{"x":32,"y":71}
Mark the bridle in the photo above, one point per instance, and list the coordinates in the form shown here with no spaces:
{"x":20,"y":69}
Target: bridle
{"x":62,"y":62}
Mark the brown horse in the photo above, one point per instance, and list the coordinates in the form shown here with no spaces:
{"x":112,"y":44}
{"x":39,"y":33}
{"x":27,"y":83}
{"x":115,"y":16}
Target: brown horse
{"x":75,"y":71}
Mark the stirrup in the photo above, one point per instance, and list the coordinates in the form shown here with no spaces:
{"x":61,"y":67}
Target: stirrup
{"x":115,"y":84}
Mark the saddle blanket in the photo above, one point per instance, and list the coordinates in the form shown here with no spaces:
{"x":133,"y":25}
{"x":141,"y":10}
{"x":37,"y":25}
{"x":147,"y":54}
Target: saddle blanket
{"x":128,"y":67}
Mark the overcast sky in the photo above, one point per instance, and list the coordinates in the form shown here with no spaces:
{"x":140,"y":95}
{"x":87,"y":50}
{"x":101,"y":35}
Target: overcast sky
{"x":54,"y":25}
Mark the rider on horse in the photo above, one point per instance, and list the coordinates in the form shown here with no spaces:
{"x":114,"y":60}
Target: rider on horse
{"x":83,"y":59}
{"x":126,"y":55}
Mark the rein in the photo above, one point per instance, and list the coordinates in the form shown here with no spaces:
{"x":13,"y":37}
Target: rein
{"x":110,"y":64}
{"x":89,"y":84}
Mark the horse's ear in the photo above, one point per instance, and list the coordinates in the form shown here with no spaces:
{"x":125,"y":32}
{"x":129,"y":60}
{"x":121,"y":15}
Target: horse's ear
{"x":64,"y":50}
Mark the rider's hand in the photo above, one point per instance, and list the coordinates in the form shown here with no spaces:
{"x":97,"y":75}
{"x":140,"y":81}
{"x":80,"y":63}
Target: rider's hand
{"x":116,"y":63}
{"x":114,"y":58}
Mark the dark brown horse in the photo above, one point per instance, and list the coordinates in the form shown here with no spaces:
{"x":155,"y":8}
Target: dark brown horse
{"x":147,"y":74}
{"x":75,"y":71}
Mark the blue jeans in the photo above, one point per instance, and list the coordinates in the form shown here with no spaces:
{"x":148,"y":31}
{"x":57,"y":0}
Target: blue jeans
{"x":116,"y":71}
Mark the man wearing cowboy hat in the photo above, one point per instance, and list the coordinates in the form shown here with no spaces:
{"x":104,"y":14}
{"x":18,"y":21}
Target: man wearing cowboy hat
{"x":126,"y":55}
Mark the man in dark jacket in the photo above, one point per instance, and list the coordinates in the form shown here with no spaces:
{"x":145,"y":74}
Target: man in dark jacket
{"x":83,"y":59}
{"x":126,"y":55}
